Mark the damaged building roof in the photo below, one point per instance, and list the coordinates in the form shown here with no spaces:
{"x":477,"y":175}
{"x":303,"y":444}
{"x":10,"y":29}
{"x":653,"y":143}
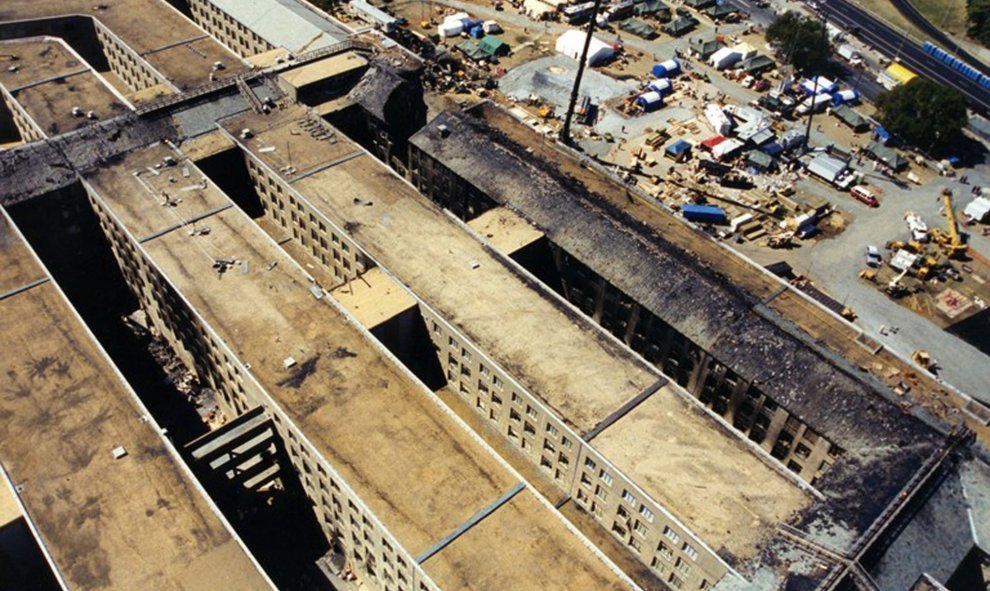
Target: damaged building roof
{"x":112,"y":505}
{"x":882,"y":444}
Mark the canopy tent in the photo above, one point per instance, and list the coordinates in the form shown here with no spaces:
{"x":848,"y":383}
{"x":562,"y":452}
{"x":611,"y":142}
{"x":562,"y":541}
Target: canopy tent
{"x":571,"y":43}
{"x":638,"y":28}
{"x":726,"y":149}
{"x":757,"y":64}
{"x":710,"y":143}
{"x":653,"y":7}
{"x":678,"y":150}
{"x":705,"y":48}
{"x":851,"y":118}
{"x":681,"y":26}
{"x":886,"y":156}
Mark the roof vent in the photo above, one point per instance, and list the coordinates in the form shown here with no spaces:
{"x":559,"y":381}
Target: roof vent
{"x":119,"y":452}
{"x":90,"y":114}
{"x":77,"y":112}
{"x":246,"y":133}
{"x":218,"y":66}
{"x":288,"y":362}
{"x":443,"y":129}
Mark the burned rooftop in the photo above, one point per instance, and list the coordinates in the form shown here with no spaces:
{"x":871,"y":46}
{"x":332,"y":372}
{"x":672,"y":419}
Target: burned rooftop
{"x":881,"y":445}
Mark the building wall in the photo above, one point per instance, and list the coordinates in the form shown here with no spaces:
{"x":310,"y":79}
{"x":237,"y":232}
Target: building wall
{"x":134,"y":70}
{"x":744,"y":405}
{"x":324,"y":240}
{"x":448,"y":190}
{"x":26,"y":126}
{"x":521,"y":418}
{"x":348,"y":524}
{"x":232,"y":33}
{"x":574,"y":466}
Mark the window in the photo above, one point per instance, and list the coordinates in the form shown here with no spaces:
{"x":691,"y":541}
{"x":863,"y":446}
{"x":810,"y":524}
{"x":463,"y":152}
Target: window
{"x":665,"y":551}
{"x":646,"y":513}
{"x":628,"y":497}
{"x":635,"y":543}
{"x":606,"y":477}
{"x":671,"y":534}
{"x":657,"y":565}
{"x":589,"y":463}
{"x":531,"y":411}
{"x":640,"y":528}
{"x":601,"y":493}
{"x":565,"y":442}
{"x":690,"y":551}
{"x":551,"y":429}
{"x":683,"y":566}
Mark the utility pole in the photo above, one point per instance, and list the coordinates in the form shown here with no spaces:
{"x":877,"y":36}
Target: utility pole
{"x":814,"y":92}
{"x":565,"y":133}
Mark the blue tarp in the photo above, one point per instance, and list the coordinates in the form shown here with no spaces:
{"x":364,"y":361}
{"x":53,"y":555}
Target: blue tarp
{"x":678,"y":149}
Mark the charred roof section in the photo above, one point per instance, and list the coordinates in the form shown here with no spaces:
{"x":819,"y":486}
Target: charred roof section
{"x":882,"y":444}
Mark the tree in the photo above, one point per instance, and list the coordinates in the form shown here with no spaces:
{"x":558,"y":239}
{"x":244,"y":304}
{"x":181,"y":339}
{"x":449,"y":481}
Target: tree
{"x":801,"y":42}
{"x":926,"y":114}
{"x":978,"y":14}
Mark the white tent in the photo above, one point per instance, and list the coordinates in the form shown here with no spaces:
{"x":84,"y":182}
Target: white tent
{"x":537,"y":8}
{"x":723,"y":58}
{"x":572,"y":42}
{"x":978,"y":209}
{"x":719,"y":121}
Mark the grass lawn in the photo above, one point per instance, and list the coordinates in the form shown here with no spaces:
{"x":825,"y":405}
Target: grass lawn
{"x":947,"y":15}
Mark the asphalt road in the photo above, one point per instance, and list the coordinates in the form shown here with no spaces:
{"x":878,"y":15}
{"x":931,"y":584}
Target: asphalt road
{"x":895,"y":44}
{"x":917,"y":19}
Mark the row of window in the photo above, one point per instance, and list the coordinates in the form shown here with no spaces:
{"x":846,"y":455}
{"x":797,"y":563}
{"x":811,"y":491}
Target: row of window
{"x":124,"y":63}
{"x":234,"y":34}
{"x":332,"y":249}
{"x":224,"y":374}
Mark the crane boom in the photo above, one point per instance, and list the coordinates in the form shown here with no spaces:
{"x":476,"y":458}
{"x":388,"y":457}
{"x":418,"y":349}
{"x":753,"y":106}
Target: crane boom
{"x":955,"y":246}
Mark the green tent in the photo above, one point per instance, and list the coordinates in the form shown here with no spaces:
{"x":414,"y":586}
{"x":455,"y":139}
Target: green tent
{"x":486,"y":48}
{"x":704,"y":48}
{"x":472,"y":50}
{"x":680,"y":26}
{"x":653,"y":7}
{"x":493,"y":46}
{"x":850,"y":117}
{"x":759,"y":160}
{"x":638,"y":28}
{"x":886,"y":156}
{"x":720,"y":11}
{"x":756,"y":64}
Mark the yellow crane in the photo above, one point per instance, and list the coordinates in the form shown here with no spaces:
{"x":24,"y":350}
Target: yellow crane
{"x":949,"y":238}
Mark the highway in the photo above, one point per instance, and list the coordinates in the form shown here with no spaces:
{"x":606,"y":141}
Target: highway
{"x":917,"y":19}
{"x":893,"y":44}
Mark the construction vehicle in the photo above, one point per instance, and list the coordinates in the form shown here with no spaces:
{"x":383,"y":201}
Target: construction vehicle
{"x":924,"y":359}
{"x":782,"y":240}
{"x":545,"y":111}
{"x":868,"y":275}
{"x":895,"y":288}
{"x":911,"y":246}
{"x":948,"y":240}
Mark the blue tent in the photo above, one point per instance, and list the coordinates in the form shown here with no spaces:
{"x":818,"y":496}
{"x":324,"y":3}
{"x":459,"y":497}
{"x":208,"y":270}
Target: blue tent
{"x":882,"y":135}
{"x":678,"y":150}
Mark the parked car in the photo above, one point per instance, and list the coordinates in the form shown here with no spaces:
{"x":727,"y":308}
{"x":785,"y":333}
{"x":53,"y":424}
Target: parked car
{"x":862,"y":193}
{"x":873,"y":258}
